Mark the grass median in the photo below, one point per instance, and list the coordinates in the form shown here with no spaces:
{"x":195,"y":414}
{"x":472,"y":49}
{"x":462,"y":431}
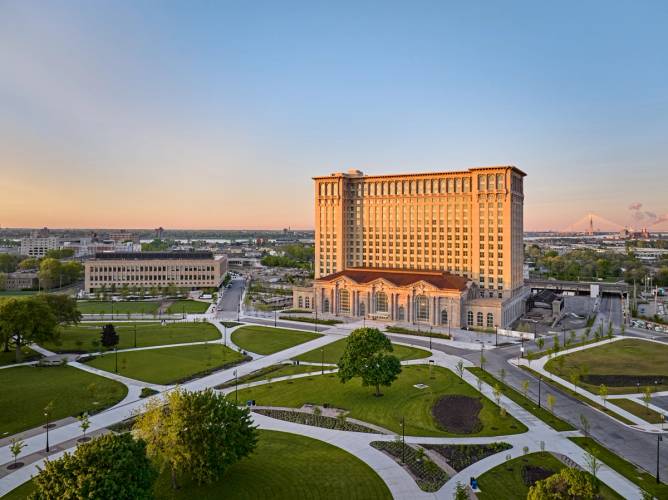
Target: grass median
{"x":547,"y":417}
{"x":266,"y":340}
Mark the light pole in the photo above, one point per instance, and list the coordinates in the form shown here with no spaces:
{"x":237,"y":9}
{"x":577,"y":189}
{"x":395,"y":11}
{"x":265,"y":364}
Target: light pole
{"x":322,"y":361}
{"x":236,"y":387}
{"x":315,"y":324}
{"x":659,"y":438}
{"x":540,"y":379}
{"x":403,"y":439}
{"x":431,"y":367}
{"x":274,"y":318}
{"x":430,"y":337}
{"x":46,"y":414}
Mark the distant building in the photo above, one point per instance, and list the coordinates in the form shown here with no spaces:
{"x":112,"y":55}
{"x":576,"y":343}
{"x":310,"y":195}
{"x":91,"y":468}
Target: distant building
{"x":21,"y":280}
{"x":123,"y":236}
{"x":436,"y":249}
{"x":192,"y":270}
{"x":88,"y":247}
{"x":39,"y":243}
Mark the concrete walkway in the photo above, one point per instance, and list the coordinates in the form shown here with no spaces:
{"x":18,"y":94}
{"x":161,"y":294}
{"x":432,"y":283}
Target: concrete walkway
{"x":401,"y":484}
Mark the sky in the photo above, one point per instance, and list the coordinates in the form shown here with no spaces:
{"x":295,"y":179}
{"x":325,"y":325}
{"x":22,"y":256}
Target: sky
{"x":216,"y":114}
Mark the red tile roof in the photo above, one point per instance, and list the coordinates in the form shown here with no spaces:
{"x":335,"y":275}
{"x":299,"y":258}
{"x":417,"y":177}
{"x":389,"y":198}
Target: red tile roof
{"x":439,"y":279}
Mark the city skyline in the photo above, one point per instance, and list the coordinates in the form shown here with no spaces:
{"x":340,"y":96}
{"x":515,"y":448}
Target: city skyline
{"x":128,"y":116}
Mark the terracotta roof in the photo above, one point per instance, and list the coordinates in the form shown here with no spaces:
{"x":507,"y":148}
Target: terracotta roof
{"x":439,"y":279}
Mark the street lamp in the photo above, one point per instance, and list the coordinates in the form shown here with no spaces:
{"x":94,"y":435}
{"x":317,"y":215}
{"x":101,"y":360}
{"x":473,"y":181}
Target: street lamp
{"x":322,"y":361}
{"x":430,"y":337}
{"x":540,"y":379}
{"x":403,"y":439}
{"x":236,"y":387}
{"x":274,"y":318}
{"x":431,"y":366}
{"x":659,"y":438}
{"x":46,"y":414}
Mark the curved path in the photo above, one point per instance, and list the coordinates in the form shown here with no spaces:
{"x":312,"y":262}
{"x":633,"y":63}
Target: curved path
{"x":398,"y":480}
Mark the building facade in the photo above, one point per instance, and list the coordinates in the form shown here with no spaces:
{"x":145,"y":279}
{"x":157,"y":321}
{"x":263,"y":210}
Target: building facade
{"x":39,"y":243}
{"x":421,"y":236}
{"x":192,"y":270}
{"x":21,"y":280}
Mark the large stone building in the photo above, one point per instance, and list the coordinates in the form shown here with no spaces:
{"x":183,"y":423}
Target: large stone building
{"x":192,"y":270}
{"x":433,"y":248}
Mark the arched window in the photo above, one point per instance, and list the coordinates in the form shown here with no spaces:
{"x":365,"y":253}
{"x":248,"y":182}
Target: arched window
{"x":307,"y":302}
{"x":401,"y":313}
{"x":381,"y":302}
{"x":469,"y":318}
{"x":444,"y":317}
{"x":325,"y":305}
{"x":300,"y":302}
{"x":422,"y":308}
{"x":344,"y":301}
{"x":479,"y":319}
{"x":490,"y":320}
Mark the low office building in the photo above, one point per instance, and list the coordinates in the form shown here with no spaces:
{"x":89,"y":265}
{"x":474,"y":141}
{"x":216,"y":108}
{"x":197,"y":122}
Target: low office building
{"x":21,"y":280}
{"x":191,"y":270}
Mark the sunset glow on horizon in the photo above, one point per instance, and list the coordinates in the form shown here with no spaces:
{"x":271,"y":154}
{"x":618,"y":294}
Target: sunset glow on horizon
{"x":139,"y":115}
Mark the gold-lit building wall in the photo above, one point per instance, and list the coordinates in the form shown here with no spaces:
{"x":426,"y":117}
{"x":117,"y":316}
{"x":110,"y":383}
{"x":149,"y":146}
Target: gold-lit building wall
{"x":469,"y":223}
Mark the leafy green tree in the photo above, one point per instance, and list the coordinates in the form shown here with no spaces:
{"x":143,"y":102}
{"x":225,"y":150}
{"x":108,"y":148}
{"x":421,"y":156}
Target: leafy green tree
{"x":25,"y":320}
{"x":525,"y":387}
{"x":196,"y":433}
{"x":110,"y":466}
{"x":541,"y":343}
{"x":460,"y":368}
{"x":63,"y":307}
{"x":29,"y":263}
{"x":367,"y":356}
{"x":15,"y":448}
{"x":9,"y":263}
{"x":567,"y":483}
{"x":3,"y":281}
{"x":84,"y":423}
{"x":109,"y":336}
{"x":460,"y":492}
{"x":603,"y":392}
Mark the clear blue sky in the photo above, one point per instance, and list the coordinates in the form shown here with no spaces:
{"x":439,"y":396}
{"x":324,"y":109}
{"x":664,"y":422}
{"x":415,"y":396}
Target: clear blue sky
{"x":216,"y":114}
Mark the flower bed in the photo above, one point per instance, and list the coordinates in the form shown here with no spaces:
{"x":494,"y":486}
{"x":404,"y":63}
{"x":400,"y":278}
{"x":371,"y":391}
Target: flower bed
{"x":230,"y":324}
{"x":427,"y":475}
{"x":306,"y":319}
{"x":299,"y":417}
{"x":406,"y":331}
{"x":460,"y":456}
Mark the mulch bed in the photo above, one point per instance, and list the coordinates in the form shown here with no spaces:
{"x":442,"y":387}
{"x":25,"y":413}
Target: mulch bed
{"x":532,"y":474}
{"x":428,"y":476}
{"x":460,"y":456}
{"x":16,"y":465}
{"x":300,"y":417}
{"x":458,"y":414}
{"x":624,"y":380}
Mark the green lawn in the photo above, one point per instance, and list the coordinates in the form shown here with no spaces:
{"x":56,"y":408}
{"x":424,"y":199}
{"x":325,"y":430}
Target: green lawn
{"x":624,"y":357}
{"x":188,"y":306}
{"x":20,"y":493}
{"x":547,"y":417}
{"x":505,"y":480}
{"x":267,"y":340}
{"x":334,"y":351}
{"x":9,"y":358}
{"x":80,"y":338}
{"x":634,"y":474}
{"x":283,"y":466}
{"x":274,"y":371}
{"x":168,"y":365}
{"x":399,"y":400}
{"x":26,"y":390}
{"x":105,"y":307}
{"x":638,"y":409}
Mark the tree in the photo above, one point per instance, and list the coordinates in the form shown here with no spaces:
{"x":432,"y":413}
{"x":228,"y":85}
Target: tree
{"x":574,"y":380}
{"x":15,"y":448}
{"x":550,"y":402}
{"x":366,"y":355}
{"x":109,"y":336}
{"x":647,"y":397}
{"x":460,"y":492}
{"x":502,"y":375}
{"x":593,"y":465}
{"x":610,"y":331}
{"x":585,"y":424}
{"x":460,"y":368}
{"x":603,"y":392}
{"x":497,"y":394}
{"x":63,"y":307}
{"x":198,"y":433}
{"x":110,"y":466}
{"x":3,"y":280}
{"x":541,"y":343}
{"x":555,"y":345}
{"x":567,"y":483}
{"x":84,"y":423}
{"x":25,"y":320}
{"x":525,"y":388}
